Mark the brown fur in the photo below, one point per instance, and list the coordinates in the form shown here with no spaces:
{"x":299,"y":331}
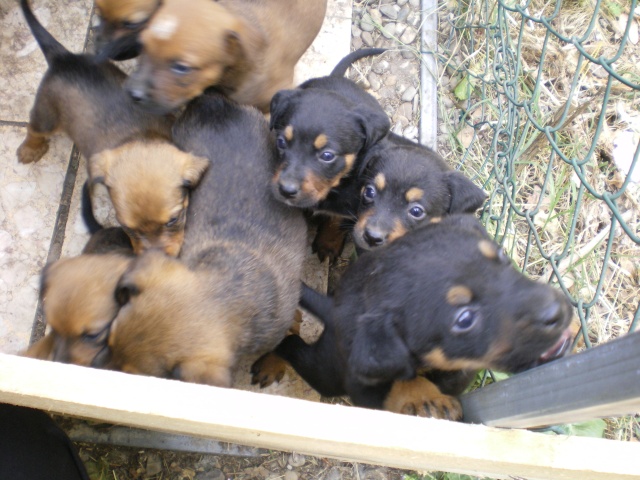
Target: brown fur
{"x":148,"y":184}
{"x":78,"y":300}
{"x":121,"y":22}
{"x":234,"y":290}
{"x":246,"y":49}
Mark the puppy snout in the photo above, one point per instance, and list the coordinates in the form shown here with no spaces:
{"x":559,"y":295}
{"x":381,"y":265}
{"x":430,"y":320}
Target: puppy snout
{"x":137,"y":94}
{"x":373,"y":237}
{"x":554,"y":315}
{"x":288,"y":189}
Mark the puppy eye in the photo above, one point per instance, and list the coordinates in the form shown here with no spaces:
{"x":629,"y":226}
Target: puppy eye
{"x":180,"y":68}
{"x":327,"y":156}
{"x":417,"y":212}
{"x":369,"y":193}
{"x":92,"y":337}
{"x":171,"y":222}
{"x":132,"y":25}
{"x":466,"y":319}
{"x":281,"y":142}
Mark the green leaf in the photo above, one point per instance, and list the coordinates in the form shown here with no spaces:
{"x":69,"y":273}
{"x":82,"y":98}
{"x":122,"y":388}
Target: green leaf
{"x":592,"y":428}
{"x":463,"y":89}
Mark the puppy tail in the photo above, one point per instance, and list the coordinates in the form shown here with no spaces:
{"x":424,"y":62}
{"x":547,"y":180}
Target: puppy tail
{"x":342,"y":66}
{"x":49,"y":45}
{"x":317,"y":304}
{"x":87,"y":211}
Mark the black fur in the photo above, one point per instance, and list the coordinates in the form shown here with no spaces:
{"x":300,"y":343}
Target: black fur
{"x":391,"y":310}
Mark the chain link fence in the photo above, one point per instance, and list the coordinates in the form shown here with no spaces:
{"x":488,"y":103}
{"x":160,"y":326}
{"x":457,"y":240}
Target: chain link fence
{"x":541,"y":106}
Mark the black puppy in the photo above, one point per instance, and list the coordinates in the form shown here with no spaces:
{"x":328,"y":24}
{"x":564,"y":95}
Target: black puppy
{"x":322,"y":130}
{"x":412,"y":322}
{"x":404,"y":185}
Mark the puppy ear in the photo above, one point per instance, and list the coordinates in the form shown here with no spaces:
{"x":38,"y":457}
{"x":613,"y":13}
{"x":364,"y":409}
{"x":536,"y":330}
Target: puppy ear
{"x":279,"y":105}
{"x":193,"y":169}
{"x":233,"y":44}
{"x":99,"y":165}
{"x":374,"y":123}
{"x":43,"y":348}
{"x":378,"y":354}
{"x":466,"y":197}
{"x":124,"y":291}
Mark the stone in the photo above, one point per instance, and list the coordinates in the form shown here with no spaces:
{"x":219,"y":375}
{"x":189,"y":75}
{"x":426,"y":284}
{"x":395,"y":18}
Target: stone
{"x":375,"y":16}
{"x":402,"y":2}
{"x":391,"y":80}
{"x":356,"y":43}
{"x":414,"y":3}
{"x":389,"y":11}
{"x":374,"y":81}
{"x":409,"y":93}
{"x":366,"y":23}
{"x":408,"y":36}
{"x":335,"y":473}
{"x":380,"y":67}
{"x":355,"y":31}
{"x":291,"y":475}
{"x":406,"y":109}
{"x":214,"y":474}
{"x":403,"y":13}
{"x":411,"y":132}
{"x":367,"y":39}
{"x":400,"y":121}
{"x":407,"y":54}
{"x":154,"y":465}
{"x":389,"y":30}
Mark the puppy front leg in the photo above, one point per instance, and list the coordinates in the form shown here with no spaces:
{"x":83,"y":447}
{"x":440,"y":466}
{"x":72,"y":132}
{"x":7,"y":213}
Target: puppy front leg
{"x":330,"y":238}
{"x":420,"y":397}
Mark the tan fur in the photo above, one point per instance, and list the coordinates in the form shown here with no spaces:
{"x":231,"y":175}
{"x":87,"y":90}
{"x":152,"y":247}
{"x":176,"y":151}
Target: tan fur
{"x":414,"y":194}
{"x":488,"y":249}
{"x":118,"y":11}
{"x":320,"y":141}
{"x":380,"y":181}
{"x":78,"y":299}
{"x":147,"y":184}
{"x":459,"y":295}
{"x":248,"y":49}
{"x":398,"y":231}
{"x":421,"y":397}
{"x":288,"y":133}
{"x":438,"y":359}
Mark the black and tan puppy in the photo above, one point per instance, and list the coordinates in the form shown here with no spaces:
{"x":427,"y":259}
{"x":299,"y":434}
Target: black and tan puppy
{"x":323,"y":130}
{"x":245,"y":49}
{"x":234,"y":290}
{"x":78,"y":301}
{"x":126,"y":149}
{"x":442,"y":301}
{"x":121,"y":22}
{"x":404,"y":185}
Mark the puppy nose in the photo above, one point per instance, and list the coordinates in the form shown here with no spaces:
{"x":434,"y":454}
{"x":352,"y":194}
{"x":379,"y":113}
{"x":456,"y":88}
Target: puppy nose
{"x":373,"y":237}
{"x":288,"y":189}
{"x":137,"y":94}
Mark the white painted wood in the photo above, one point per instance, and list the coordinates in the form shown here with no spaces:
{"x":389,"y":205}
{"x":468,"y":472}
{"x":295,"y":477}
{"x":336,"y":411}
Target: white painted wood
{"x":428,"y":74}
{"x":288,"y":424}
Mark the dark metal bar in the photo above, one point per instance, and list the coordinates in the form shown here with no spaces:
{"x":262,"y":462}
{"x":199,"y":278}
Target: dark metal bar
{"x":600,"y":382}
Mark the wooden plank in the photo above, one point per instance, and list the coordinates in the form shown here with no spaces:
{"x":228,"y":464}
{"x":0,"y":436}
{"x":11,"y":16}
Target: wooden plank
{"x":288,"y":424}
{"x":600,"y":382}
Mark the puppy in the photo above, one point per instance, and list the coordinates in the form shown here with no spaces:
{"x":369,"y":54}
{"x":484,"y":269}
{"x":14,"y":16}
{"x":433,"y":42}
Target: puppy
{"x":442,"y":301}
{"x":78,"y":302}
{"x":405,"y":184}
{"x":245,"y":49}
{"x":323,"y":130}
{"x":126,"y":149}
{"x":234,"y":290}
{"x":121,"y":22}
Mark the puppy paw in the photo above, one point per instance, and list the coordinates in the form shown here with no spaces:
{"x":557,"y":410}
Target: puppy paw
{"x":297,"y":323}
{"x":422,"y":398}
{"x":32,"y":153}
{"x":267,"y":369}
{"x":328,"y":244}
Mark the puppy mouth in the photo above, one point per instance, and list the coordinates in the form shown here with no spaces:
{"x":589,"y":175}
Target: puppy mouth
{"x":558,"y":349}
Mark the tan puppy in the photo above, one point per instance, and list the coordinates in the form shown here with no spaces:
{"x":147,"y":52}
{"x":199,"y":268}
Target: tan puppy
{"x":149,"y":185}
{"x":85,"y":99}
{"x":246,"y":49}
{"x":78,"y":301}
{"x":121,"y":22}
{"x":234,"y":290}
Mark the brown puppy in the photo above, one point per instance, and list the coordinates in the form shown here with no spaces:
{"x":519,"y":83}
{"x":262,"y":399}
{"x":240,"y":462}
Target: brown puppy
{"x":85,"y":99}
{"x":234,"y":290}
{"x":121,"y":22}
{"x":78,"y":301}
{"x":245,"y":49}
